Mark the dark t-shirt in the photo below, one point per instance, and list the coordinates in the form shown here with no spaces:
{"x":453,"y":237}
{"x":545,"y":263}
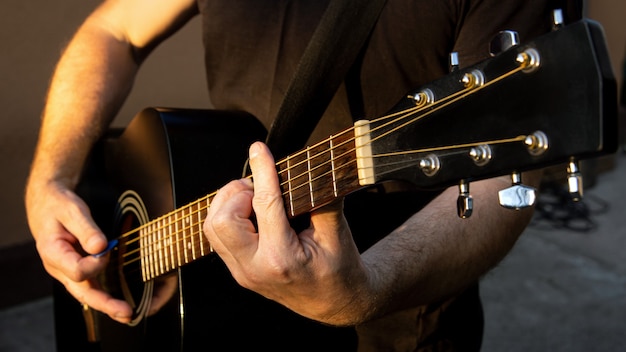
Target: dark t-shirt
{"x":252,"y":49}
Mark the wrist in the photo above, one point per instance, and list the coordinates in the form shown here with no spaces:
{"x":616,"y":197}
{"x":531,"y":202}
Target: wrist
{"x":361,"y":303}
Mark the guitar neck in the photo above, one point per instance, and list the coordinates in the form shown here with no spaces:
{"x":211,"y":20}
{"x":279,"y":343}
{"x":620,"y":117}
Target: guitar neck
{"x":319,"y":174}
{"x":170,"y":241}
{"x":309,"y":179}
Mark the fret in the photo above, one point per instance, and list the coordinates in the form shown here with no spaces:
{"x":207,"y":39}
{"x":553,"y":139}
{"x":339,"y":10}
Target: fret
{"x":151,"y":254}
{"x":159,"y":235}
{"x":165,"y":245}
{"x":308,"y":165}
{"x":143,"y":255}
{"x":155,"y":249}
{"x":191,"y":248}
{"x":155,"y":242}
{"x":332,"y":165}
{"x":183,"y":239}
{"x":169,"y":250}
{"x":300,"y":193}
{"x":177,"y":229}
{"x":186,"y":244}
{"x":321,"y":186}
{"x":289,"y":191}
{"x":148,"y":255}
{"x":208,"y":204}
{"x":169,"y":265}
{"x":345,"y":164}
{"x":191,"y":236}
{"x":199,"y":225}
{"x":159,"y":247}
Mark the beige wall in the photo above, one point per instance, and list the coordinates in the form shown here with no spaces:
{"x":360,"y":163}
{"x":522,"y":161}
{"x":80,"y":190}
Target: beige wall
{"x":612,"y":15}
{"x":32,"y":34}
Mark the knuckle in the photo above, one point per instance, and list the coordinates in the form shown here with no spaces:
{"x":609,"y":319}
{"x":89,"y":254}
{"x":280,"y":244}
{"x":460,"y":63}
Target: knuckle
{"x":220,"y":222}
{"x":278,"y":269}
{"x":271,"y":202}
{"x":75,"y":274}
{"x":74,"y":211}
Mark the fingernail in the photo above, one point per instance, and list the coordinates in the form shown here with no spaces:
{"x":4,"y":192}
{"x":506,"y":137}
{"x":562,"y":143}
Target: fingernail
{"x":110,"y":246}
{"x":120,"y":317}
{"x":93,"y":242}
{"x":254,"y":150}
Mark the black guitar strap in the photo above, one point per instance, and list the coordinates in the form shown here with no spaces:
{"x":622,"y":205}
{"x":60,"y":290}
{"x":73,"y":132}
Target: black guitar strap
{"x":333,"y":48}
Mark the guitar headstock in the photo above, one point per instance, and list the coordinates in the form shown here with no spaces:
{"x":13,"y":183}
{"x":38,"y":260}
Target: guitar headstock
{"x":545,"y":102}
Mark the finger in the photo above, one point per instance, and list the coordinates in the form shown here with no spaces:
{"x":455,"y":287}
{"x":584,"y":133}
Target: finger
{"x":76,"y":218}
{"x":268,"y":200}
{"x":164,"y":290}
{"x":228,"y":223}
{"x":330,"y":227}
{"x":61,"y":255}
{"x":328,"y":216}
{"x":90,"y":294}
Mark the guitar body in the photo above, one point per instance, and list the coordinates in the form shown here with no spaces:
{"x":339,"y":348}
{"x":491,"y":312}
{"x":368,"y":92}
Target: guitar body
{"x":162,"y":160}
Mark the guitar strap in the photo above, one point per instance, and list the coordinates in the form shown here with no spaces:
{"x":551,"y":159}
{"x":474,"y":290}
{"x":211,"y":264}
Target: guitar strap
{"x":334,"y":46}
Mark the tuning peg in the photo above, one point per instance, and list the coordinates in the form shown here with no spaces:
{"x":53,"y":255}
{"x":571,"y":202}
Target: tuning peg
{"x":557,"y":19}
{"x":465,"y":202}
{"x":574,"y":181}
{"x":503,"y":41}
{"x":454,"y":61}
{"x":518,"y":196}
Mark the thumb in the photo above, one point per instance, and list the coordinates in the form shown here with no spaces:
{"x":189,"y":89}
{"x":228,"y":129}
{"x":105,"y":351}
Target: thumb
{"x":77,"y":220}
{"x":268,"y":199}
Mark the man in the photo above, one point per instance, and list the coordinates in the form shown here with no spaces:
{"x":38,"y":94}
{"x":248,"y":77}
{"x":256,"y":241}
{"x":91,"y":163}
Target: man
{"x":409,"y":281}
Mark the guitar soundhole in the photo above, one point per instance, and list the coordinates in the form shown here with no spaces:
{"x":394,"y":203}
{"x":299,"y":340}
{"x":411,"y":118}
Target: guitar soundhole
{"x":124,"y":275}
{"x":129,"y":267}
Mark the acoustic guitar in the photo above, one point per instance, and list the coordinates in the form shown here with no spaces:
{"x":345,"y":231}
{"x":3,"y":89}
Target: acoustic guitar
{"x":549,"y":101}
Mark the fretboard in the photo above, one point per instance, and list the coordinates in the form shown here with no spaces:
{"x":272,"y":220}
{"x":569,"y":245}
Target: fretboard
{"x":174,"y":239}
{"x":319,"y":174}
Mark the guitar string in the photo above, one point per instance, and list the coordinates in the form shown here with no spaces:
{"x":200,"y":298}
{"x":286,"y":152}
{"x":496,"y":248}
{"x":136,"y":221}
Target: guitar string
{"x":156,"y":249}
{"x":404,"y":114}
{"x":161,"y":263}
{"x":170,"y":264}
{"x":453,"y":98}
{"x":150,"y":253}
{"x":446,"y":101}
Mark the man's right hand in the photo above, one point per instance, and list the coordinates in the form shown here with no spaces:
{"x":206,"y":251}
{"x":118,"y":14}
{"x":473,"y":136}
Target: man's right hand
{"x":66,"y":238}
{"x":106,"y":51}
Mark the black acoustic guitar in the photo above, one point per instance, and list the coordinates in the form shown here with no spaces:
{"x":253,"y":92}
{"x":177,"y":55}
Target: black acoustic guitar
{"x":548,"y":101}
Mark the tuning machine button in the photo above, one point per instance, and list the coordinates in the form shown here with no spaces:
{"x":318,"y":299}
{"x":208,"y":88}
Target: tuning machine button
{"x":503,"y":41}
{"x":557,"y":19}
{"x":518,"y":196}
{"x":454,"y":61}
{"x":574,"y":181}
{"x":465,"y":202}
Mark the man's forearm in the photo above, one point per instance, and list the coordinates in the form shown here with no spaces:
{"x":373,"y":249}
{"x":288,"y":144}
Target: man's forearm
{"x":435,"y":254}
{"x":89,"y":85}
